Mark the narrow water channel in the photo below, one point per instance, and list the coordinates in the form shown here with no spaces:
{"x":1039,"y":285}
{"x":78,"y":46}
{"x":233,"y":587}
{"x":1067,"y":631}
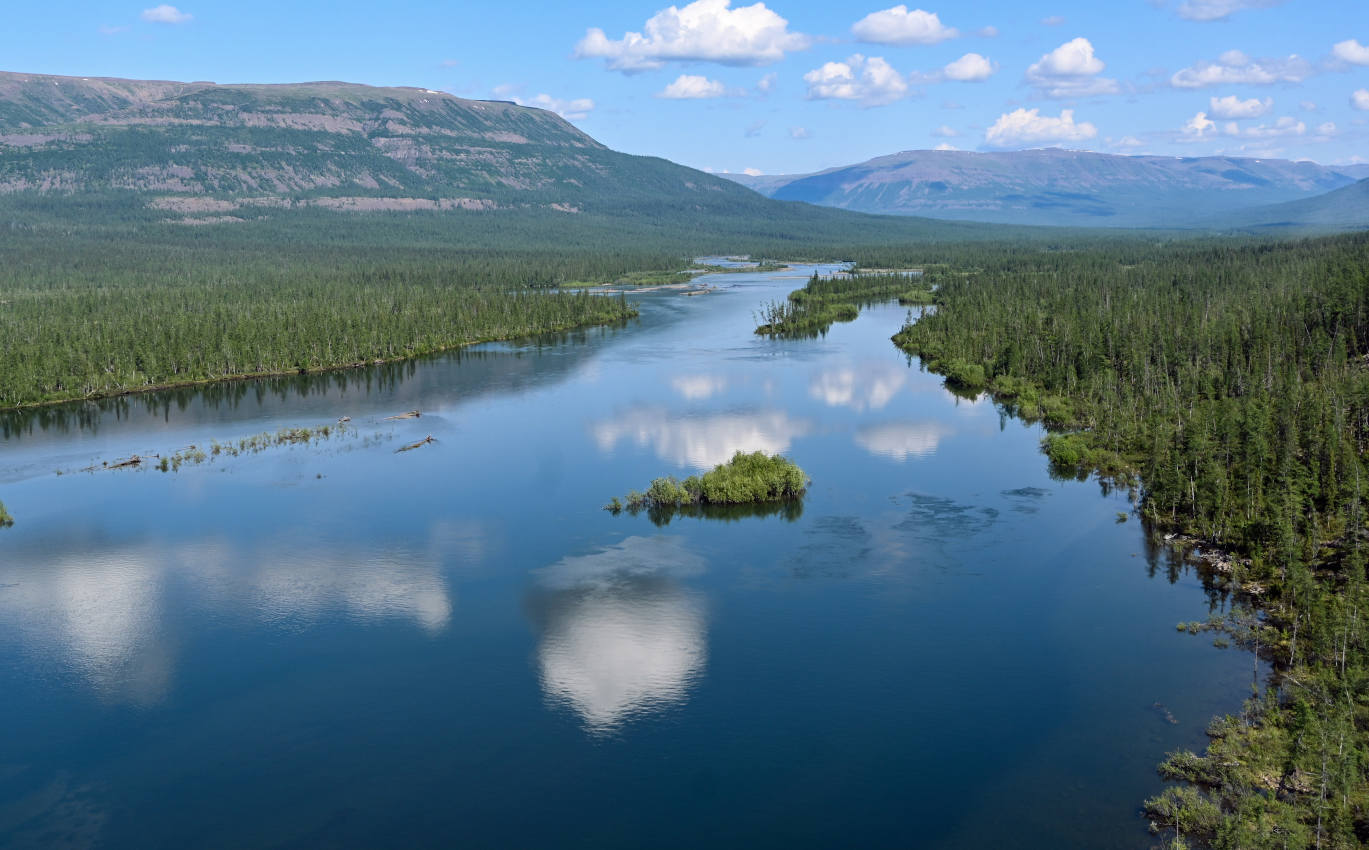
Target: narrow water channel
{"x":344,"y":645}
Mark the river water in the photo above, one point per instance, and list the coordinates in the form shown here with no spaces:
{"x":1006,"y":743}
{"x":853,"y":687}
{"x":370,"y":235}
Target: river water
{"x":343,"y":645}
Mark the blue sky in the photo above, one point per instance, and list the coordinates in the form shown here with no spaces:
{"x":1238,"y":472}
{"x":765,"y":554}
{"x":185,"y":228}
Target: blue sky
{"x":790,"y":85}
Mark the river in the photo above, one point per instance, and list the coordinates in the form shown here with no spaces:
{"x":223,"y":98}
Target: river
{"x":344,"y":645}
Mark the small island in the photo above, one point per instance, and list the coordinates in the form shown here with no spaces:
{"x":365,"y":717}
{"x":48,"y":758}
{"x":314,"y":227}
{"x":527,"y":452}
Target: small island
{"x":746,"y":479}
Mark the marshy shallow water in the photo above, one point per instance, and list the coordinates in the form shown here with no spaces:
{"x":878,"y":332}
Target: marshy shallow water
{"x":338,"y":644}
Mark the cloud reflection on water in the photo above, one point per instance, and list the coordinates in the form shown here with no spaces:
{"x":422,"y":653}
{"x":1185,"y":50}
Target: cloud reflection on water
{"x":870,"y":386}
{"x":620,"y":636}
{"x":902,"y":440}
{"x":698,"y":387}
{"x":700,"y":441}
{"x":112,"y":616}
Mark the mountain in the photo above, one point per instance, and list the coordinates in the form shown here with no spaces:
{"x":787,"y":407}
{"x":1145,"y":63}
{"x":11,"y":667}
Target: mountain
{"x":1346,"y":208}
{"x":202,"y":152}
{"x":1058,"y":187}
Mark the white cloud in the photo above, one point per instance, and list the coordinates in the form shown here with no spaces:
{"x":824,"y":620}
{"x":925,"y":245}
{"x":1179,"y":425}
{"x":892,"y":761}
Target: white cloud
{"x":944,"y":132}
{"x":1198,"y":126}
{"x":1053,"y":21}
{"x":1351,"y":51}
{"x":1029,"y":126}
{"x":1233,"y":107}
{"x":1216,"y":10}
{"x":1071,"y":70}
{"x":987,"y":32}
{"x":1285,"y":126}
{"x":571,"y":110}
{"x":1360,"y":99}
{"x":703,"y":31}
{"x":903,"y":27}
{"x":871,"y":81}
{"x":1326,"y":129}
{"x":799,"y":133}
{"x":1308,"y":105}
{"x":752,"y":172}
{"x":1129,"y":142}
{"x":693,"y":87}
{"x":1235,"y":68}
{"x":970,"y":68}
{"x":166,"y":15}
{"x":945,"y":146}
{"x":767,"y":83}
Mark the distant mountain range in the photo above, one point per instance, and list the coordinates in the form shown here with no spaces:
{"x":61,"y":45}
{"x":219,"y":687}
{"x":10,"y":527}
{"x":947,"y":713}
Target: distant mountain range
{"x":1060,"y":187}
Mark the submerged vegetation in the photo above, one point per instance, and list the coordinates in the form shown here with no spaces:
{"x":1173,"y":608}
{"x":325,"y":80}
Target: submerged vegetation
{"x":194,"y":455}
{"x":747,"y":479}
{"x":810,"y":311}
{"x":1232,"y":382}
{"x":5,"y":519}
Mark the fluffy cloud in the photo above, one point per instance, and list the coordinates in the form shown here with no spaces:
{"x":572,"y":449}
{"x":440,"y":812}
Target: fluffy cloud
{"x":703,"y":31}
{"x":571,"y":110}
{"x":1198,"y":126}
{"x":1351,"y":51}
{"x":1235,"y":68}
{"x":1216,"y":10}
{"x":944,"y":132}
{"x":970,"y":68}
{"x":901,"y":26}
{"x":693,"y":87}
{"x":166,"y":15}
{"x":1233,"y":107}
{"x":1071,"y":70}
{"x":1360,"y":99}
{"x":767,"y":83}
{"x":871,"y":81}
{"x":1283,"y":127}
{"x":1029,"y":126}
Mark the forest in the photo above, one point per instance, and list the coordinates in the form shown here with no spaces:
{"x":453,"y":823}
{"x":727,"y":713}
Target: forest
{"x":140,"y":303}
{"x":1228,"y":383}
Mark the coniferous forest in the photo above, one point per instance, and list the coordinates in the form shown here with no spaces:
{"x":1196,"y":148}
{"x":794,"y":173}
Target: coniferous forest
{"x":1229,"y":384}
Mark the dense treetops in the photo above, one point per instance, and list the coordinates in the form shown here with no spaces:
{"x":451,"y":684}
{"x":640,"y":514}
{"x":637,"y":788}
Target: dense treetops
{"x":1233,"y":381}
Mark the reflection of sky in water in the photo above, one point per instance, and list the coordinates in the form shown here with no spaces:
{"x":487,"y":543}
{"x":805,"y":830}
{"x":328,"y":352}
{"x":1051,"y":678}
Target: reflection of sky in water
{"x":702,"y":441}
{"x":870,"y":386}
{"x":620,"y":636}
{"x":106,"y":615}
{"x":902,"y":440}
{"x":698,"y":387}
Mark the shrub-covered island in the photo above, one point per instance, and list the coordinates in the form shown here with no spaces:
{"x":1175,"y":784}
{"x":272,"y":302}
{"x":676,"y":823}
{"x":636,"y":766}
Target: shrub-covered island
{"x":745,"y":479}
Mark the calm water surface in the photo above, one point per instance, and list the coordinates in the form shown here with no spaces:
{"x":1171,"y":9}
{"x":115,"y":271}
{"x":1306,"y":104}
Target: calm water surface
{"x":340,"y":645}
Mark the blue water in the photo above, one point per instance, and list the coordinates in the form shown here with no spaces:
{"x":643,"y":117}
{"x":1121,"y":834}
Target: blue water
{"x":342,"y":645}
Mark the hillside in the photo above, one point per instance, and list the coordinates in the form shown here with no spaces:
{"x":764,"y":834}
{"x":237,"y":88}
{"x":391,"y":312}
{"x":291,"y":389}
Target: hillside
{"x":211,"y":152}
{"x":1346,"y":208}
{"x":1057,"y":187}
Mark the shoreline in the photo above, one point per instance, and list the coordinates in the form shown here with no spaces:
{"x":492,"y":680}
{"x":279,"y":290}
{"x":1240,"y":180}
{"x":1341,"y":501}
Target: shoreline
{"x":292,"y":373}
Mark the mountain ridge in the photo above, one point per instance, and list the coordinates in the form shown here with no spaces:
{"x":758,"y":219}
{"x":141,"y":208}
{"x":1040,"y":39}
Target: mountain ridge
{"x":1055,"y":186}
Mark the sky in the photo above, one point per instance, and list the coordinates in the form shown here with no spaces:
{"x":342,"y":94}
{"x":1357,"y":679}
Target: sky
{"x":786,"y":86}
